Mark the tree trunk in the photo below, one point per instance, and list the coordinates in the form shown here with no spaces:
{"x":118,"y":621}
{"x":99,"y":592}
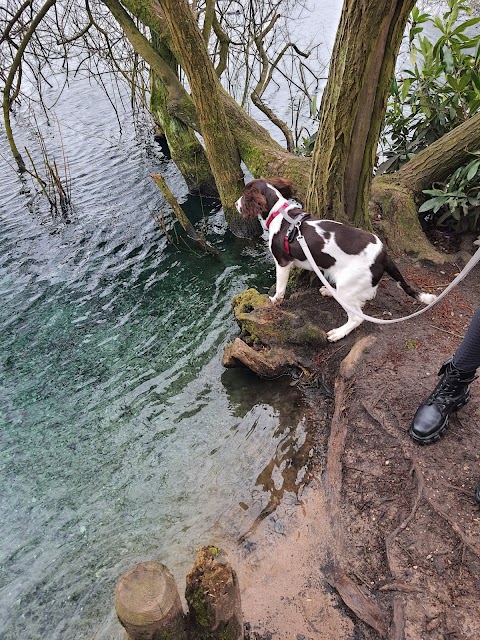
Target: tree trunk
{"x":185,"y":148}
{"x":340,"y":172}
{"x":220,"y":147}
{"x":353,"y":107}
{"x":439,"y":160}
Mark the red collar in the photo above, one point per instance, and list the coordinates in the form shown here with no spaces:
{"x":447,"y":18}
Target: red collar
{"x":273,"y":214}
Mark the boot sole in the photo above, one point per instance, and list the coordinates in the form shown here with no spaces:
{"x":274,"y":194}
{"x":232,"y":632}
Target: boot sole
{"x":438,"y":434}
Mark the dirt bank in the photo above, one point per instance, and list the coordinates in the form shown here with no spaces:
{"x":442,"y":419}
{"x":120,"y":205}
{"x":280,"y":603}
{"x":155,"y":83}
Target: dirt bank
{"x":385,"y":541}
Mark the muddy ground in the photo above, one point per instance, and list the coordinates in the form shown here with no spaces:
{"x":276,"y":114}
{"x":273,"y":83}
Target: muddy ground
{"x":384,"y":542}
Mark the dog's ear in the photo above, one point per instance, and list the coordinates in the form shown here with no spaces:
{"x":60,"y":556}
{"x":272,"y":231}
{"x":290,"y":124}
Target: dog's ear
{"x":254,"y":203}
{"x":284,"y":185}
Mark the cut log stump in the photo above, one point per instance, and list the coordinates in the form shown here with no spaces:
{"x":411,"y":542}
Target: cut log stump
{"x":213,"y":598}
{"x":148,"y":604}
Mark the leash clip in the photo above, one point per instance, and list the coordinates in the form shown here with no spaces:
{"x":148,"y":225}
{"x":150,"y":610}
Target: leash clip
{"x":299,"y":233}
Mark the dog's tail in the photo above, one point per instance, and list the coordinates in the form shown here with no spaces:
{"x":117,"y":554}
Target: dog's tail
{"x":392,"y":270}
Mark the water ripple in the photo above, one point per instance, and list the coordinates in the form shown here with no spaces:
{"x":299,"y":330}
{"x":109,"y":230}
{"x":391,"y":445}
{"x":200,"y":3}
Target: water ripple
{"x":121,"y":438}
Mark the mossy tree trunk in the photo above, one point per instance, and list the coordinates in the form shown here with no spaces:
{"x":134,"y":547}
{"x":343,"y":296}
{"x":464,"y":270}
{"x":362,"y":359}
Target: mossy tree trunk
{"x":396,"y":196}
{"x":220,"y":146}
{"x":185,"y":148}
{"x":353,"y":106}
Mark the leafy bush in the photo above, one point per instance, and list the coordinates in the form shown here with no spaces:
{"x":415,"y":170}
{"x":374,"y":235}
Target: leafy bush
{"x":457,"y":201}
{"x":439,"y":91}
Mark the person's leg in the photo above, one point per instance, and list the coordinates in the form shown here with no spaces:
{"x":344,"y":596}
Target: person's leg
{"x":467,"y":356}
{"x":452,"y":392}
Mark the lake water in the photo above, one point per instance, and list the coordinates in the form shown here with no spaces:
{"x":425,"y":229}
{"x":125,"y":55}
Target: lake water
{"x":122,"y":438}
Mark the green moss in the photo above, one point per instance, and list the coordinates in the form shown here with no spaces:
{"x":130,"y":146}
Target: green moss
{"x":198,"y":605}
{"x":231,"y":631}
{"x":247,"y":301}
{"x":257,"y":328}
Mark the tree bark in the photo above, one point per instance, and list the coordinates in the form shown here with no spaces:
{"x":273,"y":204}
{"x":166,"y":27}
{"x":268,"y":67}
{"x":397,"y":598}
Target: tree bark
{"x":185,"y":148}
{"x":220,"y":146}
{"x":440,"y":159}
{"x":353,"y":107}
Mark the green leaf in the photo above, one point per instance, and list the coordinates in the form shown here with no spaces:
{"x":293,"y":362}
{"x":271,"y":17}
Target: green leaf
{"x":439,"y":24}
{"x":475,"y":79}
{"x":472,"y":169}
{"x":453,"y":16}
{"x":464,"y":80}
{"x":405,"y":88}
{"x":452,"y":82}
{"x":465,"y":25}
{"x":433,"y":203}
{"x":433,"y":192}
{"x":443,"y":217}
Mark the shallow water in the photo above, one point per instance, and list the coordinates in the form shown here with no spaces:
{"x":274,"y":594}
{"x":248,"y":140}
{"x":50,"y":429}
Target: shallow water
{"x":122,"y":437}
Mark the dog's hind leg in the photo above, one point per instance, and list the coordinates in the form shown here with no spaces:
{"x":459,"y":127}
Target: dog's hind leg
{"x":355,"y":293}
{"x":282,"y":280}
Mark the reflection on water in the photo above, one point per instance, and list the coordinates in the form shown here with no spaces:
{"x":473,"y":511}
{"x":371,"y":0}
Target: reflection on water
{"x":283,"y":406}
{"x":122,"y":437}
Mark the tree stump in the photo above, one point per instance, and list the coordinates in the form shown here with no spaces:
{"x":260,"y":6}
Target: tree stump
{"x":148,"y":604}
{"x":213,"y":597}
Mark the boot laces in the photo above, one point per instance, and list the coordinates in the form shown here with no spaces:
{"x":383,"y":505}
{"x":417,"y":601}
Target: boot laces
{"x":447,"y":389}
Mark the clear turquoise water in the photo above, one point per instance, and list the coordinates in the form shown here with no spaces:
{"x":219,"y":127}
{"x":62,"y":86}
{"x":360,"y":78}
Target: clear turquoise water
{"x":122,"y":438}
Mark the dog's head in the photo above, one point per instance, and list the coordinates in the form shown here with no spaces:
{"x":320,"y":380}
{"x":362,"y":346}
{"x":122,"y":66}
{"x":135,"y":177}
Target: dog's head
{"x":259,"y":197}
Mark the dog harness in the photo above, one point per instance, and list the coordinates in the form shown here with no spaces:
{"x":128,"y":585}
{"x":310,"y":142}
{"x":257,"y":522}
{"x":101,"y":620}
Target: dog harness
{"x":294,"y":223}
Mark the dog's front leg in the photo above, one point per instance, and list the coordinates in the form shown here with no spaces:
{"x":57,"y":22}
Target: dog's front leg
{"x":282,"y":280}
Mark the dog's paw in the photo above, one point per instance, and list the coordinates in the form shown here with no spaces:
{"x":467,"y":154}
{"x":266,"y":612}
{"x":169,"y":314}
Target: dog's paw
{"x":275,"y":300}
{"x":336,"y":334}
{"x":427,"y":298}
{"x":325,"y":292}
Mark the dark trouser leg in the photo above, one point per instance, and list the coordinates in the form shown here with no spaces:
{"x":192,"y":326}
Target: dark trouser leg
{"x":467,"y":356}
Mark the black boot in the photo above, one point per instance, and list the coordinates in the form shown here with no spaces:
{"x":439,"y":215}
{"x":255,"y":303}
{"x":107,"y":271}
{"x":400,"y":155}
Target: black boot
{"x":450,"y":394}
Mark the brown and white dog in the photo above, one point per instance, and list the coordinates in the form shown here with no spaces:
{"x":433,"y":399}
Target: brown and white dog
{"x":352,"y":259}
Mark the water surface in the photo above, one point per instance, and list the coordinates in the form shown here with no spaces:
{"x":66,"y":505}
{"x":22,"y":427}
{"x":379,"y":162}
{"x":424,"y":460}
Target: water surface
{"x":122,"y":437}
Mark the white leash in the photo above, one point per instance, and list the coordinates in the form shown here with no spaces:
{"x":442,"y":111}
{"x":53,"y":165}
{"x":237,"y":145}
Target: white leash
{"x":467,"y":268}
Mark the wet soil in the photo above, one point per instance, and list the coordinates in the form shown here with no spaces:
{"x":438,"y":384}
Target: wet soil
{"x":385,"y":540}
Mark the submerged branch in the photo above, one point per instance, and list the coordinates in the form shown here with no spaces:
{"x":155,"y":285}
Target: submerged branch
{"x":181,"y":217}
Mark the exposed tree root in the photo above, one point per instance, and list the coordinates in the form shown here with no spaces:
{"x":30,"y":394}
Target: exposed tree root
{"x":361,"y":604}
{"x":422,"y":491}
